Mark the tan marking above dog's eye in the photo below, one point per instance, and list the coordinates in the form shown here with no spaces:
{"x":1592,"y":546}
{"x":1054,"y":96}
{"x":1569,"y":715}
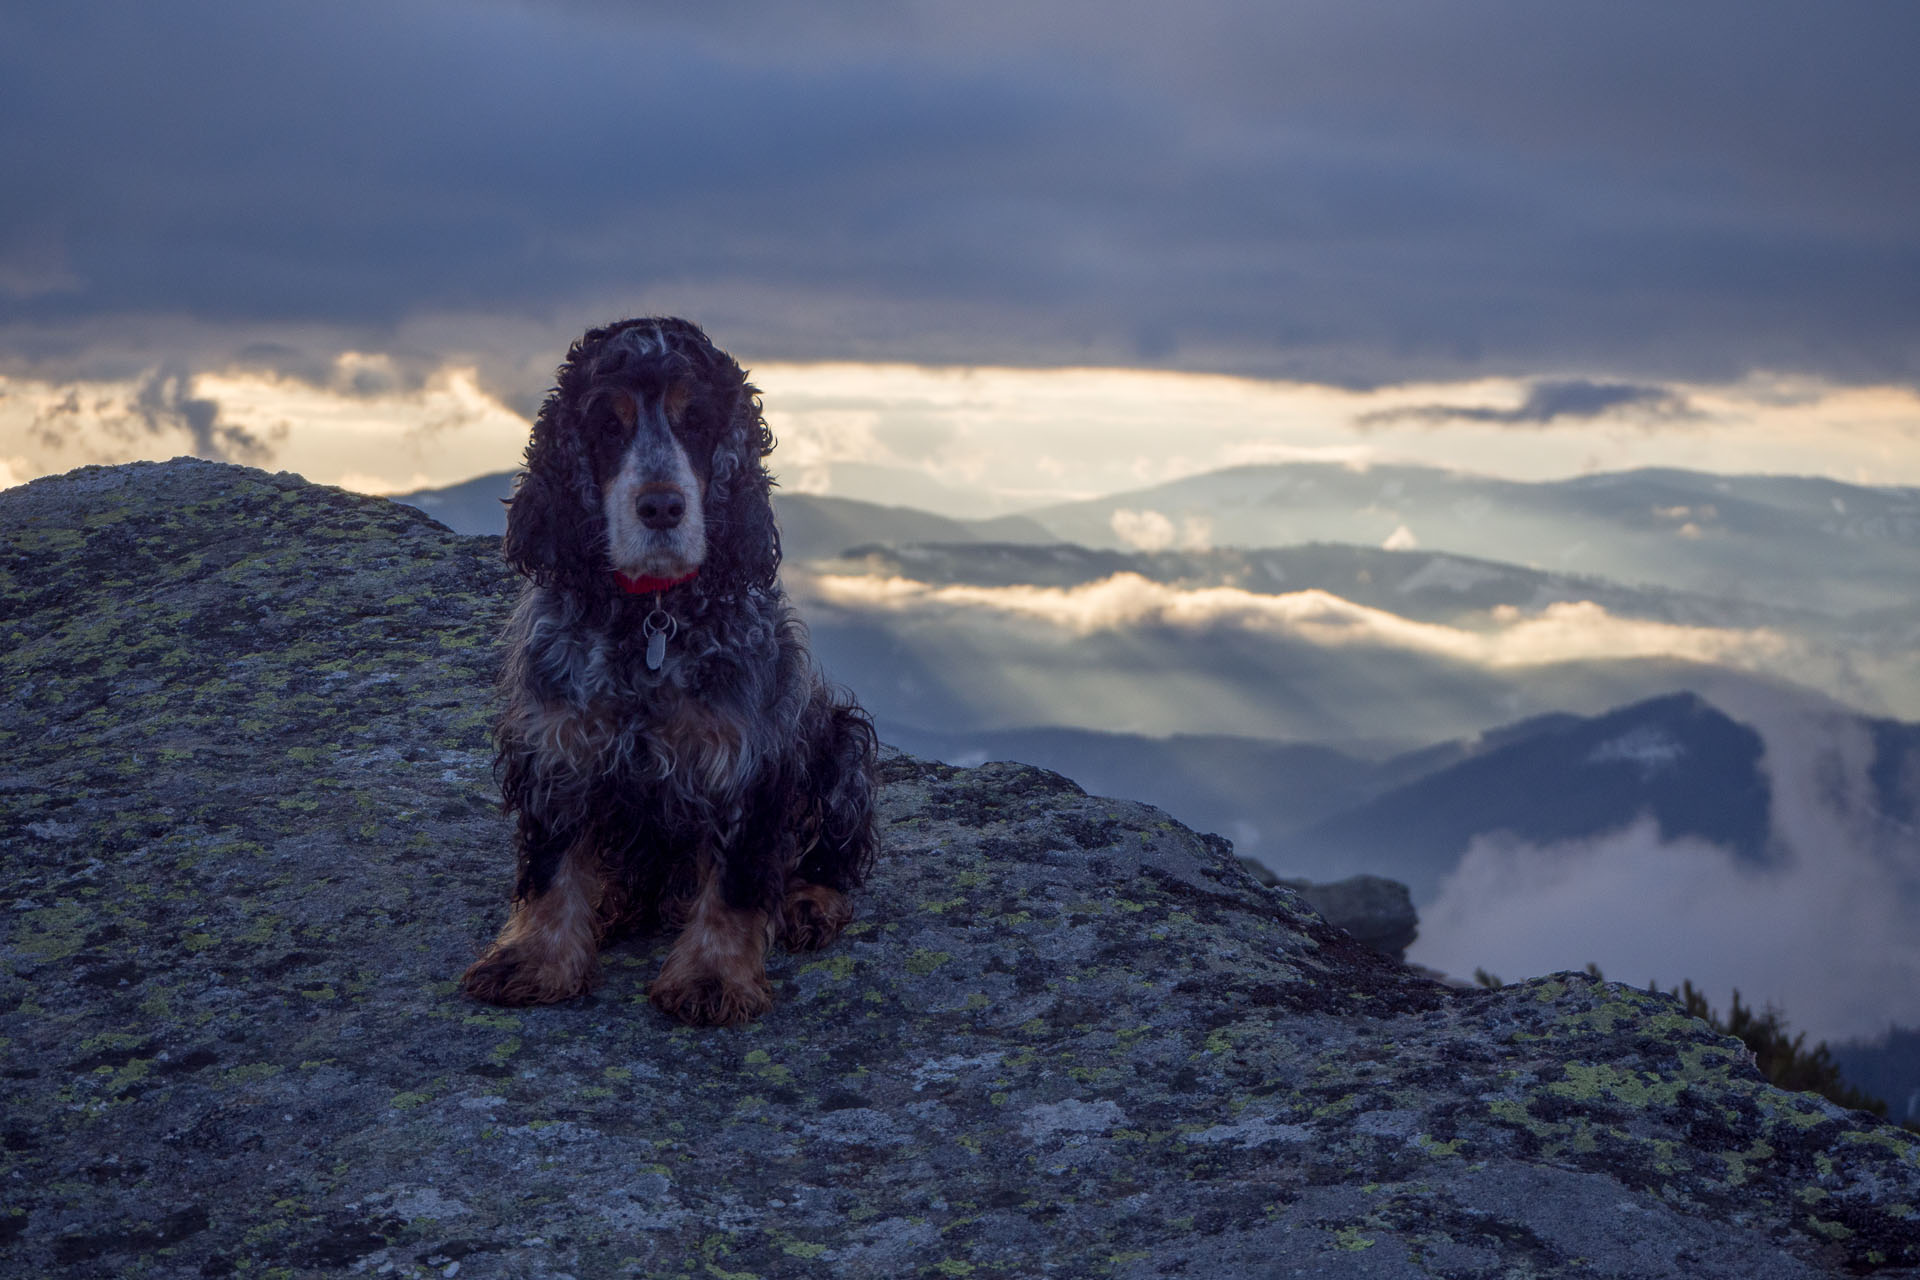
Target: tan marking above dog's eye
{"x":675,"y":401}
{"x":624,"y":408}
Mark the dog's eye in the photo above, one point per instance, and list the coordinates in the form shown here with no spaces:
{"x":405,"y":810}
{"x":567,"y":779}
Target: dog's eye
{"x":624,"y":411}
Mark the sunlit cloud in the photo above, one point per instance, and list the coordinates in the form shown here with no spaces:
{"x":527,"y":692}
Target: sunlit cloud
{"x":160,"y":413}
{"x":1154,"y":531}
{"x":1272,"y":452}
{"x":1106,"y":431}
{"x":1563,"y":632}
{"x":362,"y":426}
{"x":965,"y":441}
{"x":1143,"y":530}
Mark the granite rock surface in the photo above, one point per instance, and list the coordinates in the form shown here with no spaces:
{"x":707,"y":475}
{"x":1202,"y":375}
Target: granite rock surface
{"x":248,"y":839}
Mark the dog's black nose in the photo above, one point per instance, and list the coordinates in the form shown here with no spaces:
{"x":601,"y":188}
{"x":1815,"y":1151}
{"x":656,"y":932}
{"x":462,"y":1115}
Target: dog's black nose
{"x":662,"y":508}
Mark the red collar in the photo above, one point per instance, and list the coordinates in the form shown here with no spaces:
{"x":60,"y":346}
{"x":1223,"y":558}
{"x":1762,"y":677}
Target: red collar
{"x":647,"y":586}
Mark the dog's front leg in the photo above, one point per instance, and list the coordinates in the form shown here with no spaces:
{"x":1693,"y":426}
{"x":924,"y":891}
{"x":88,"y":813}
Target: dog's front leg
{"x":550,"y":948}
{"x":716,"y":974}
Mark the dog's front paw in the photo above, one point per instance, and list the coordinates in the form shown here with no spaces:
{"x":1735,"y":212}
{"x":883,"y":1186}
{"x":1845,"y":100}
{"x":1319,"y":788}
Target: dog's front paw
{"x":710,"y":998}
{"x":510,"y":975}
{"x":813,"y":916}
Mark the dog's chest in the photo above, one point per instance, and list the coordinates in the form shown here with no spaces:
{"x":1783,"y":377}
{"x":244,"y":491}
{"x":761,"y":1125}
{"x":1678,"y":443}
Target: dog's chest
{"x":701,"y":741}
{"x":671,"y":738}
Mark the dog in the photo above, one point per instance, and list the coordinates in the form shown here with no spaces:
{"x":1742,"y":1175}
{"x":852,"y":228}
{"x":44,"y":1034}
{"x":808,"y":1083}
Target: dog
{"x":669,"y":750}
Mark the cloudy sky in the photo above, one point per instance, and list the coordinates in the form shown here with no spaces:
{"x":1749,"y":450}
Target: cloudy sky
{"x":352,"y":239}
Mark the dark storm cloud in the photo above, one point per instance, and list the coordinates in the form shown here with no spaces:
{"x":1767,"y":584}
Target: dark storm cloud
{"x":1549,"y":402}
{"x":1351,"y":193}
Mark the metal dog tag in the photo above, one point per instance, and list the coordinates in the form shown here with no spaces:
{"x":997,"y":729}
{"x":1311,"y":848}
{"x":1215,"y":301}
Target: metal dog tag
{"x":658,"y":629}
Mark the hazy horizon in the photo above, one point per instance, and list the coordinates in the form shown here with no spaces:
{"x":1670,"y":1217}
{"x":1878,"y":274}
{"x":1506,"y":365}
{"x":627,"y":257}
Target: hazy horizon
{"x":995,"y":441}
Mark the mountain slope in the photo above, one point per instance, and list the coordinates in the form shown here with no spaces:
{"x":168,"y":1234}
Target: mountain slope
{"x":1677,"y":758}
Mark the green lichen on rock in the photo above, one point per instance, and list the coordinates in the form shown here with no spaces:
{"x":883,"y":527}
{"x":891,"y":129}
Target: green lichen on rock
{"x":250,"y":839}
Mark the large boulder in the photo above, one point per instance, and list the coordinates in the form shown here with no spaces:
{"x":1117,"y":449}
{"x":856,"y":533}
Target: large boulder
{"x":250,"y":840}
{"x":1375,"y":910}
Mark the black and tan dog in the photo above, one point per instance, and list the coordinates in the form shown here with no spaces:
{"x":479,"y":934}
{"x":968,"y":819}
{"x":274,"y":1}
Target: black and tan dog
{"x":669,"y":748}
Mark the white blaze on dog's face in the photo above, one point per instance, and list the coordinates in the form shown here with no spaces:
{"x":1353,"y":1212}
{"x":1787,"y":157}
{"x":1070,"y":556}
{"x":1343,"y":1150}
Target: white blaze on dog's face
{"x":656,"y":519}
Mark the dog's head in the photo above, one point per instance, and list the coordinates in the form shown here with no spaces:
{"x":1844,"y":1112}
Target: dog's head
{"x":645,"y":466}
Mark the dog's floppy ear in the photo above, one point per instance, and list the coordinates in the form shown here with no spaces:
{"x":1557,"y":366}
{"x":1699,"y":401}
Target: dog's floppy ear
{"x":743,"y":542}
{"x":549,"y":525}
{"x":532,"y":541}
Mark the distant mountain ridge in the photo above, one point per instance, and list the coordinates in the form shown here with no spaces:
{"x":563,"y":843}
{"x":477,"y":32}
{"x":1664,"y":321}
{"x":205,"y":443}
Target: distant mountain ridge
{"x":925,"y":664}
{"x":1843,"y":548}
{"x":472,"y":506}
{"x":812,"y":526}
{"x":1827,"y":546}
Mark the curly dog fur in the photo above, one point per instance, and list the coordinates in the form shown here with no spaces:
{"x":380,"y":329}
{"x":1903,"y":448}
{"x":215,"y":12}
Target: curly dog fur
{"x":668,"y":747}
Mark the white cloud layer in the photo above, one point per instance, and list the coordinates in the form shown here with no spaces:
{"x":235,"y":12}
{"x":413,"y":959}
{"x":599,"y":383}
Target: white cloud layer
{"x":1564,"y":632}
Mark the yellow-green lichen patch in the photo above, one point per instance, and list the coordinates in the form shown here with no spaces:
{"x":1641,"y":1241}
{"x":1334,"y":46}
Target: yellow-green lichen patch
{"x":1352,"y":1239}
{"x":251,"y":1072}
{"x":1900,"y":1143}
{"x":54,"y":932}
{"x":1740,"y":1164}
{"x":1594,"y":1082}
{"x":923,"y":961}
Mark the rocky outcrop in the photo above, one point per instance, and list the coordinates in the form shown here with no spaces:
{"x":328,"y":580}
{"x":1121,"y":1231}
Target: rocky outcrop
{"x":1378,"y":912}
{"x":250,"y":841}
